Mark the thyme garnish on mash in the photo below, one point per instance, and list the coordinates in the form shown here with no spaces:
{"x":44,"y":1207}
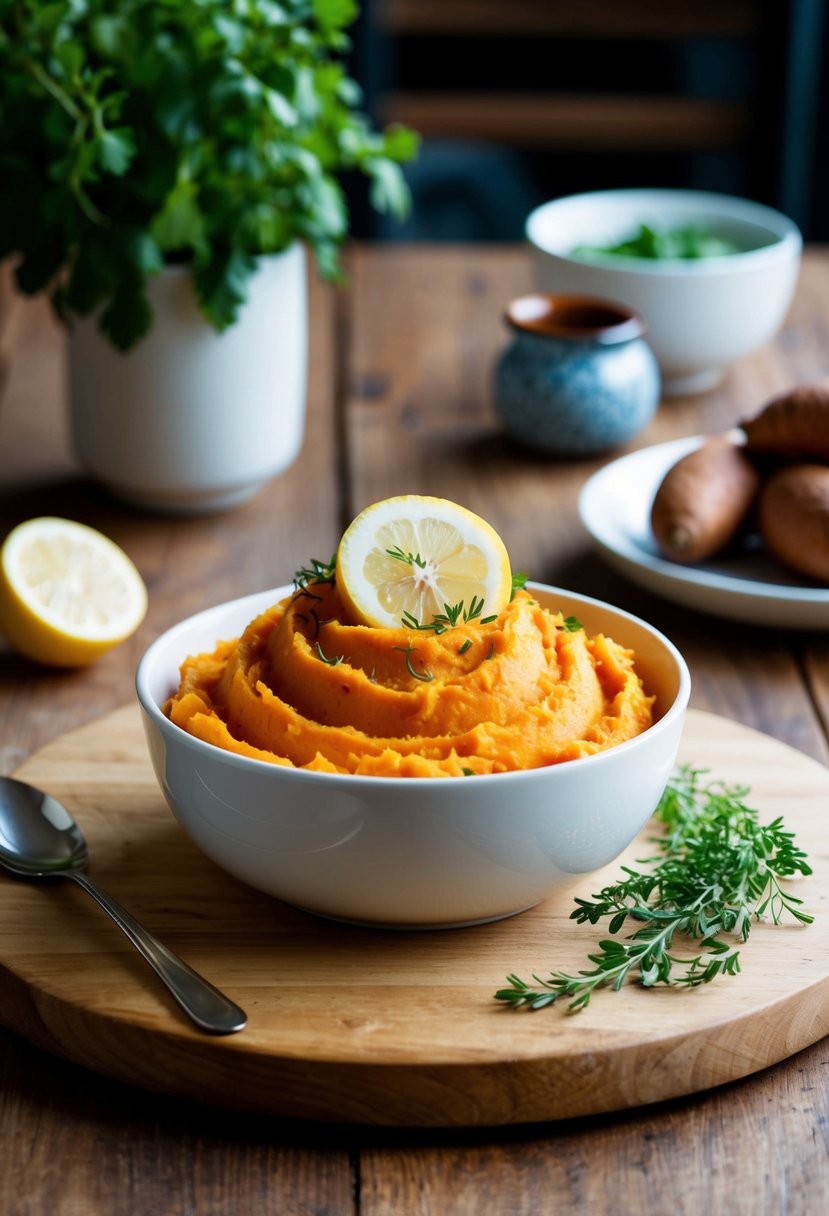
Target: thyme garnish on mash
{"x":316,"y":572}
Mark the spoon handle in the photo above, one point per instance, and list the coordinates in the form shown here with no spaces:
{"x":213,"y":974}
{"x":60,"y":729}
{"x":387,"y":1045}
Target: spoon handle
{"x":208,"y":1008}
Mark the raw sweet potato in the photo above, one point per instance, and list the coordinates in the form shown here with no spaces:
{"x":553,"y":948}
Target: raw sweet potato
{"x":793,"y":518}
{"x":794,"y":424}
{"x":703,"y":500}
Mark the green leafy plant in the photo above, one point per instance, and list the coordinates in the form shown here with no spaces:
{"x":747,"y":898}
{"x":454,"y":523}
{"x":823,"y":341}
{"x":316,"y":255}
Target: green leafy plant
{"x":140,"y":132}
{"x":718,"y":869}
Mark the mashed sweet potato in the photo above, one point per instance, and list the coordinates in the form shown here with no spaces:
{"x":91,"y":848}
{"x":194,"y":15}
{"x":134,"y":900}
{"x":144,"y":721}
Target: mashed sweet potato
{"x":301,"y":687}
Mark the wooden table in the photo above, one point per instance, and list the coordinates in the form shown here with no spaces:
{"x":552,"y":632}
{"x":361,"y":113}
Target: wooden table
{"x":399,"y":402}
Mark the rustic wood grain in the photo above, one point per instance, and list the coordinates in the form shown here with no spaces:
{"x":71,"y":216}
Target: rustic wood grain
{"x":77,"y":1144}
{"x":569,"y":121}
{"x":416,"y":333}
{"x":8,"y":308}
{"x":588,"y":19}
{"x":684,"y":1157}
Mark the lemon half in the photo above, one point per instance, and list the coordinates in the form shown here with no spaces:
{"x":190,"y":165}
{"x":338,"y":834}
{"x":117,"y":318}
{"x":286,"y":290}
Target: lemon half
{"x":415,"y":555}
{"x":68,"y":594}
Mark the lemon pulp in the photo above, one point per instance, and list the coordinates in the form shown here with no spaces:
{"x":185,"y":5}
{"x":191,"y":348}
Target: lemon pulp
{"x":413,"y":555}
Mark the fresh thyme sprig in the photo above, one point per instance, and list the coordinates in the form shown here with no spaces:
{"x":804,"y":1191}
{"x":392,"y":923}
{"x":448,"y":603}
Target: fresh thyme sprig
{"x":410,"y":621}
{"x":717,"y":869}
{"x":571,"y":624}
{"x":334,"y":662}
{"x":409,"y":559}
{"x":449,"y":618}
{"x":425,"y":676}
{"x":316,"y":572}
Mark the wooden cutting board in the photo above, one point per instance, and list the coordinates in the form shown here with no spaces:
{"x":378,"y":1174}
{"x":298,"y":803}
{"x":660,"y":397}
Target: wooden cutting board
{"x":371,"y":1026}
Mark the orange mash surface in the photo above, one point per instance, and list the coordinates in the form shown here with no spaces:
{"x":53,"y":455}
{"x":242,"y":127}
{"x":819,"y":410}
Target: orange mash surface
{"x":302,"y":687}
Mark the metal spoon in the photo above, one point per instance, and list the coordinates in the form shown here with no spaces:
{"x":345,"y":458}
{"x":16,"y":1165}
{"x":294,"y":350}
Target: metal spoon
{"x":40,"y":839}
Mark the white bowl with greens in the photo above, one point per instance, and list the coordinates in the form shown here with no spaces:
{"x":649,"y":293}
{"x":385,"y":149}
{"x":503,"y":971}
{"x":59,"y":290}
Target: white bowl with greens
{"x":713,"y":274}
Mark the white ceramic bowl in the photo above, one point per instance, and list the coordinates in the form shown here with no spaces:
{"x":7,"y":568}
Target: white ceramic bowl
{"x":701,"y":314}
{"x":412,"y":852}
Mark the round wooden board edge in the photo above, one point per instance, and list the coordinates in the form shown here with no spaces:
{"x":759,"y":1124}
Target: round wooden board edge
{"x":419,"y":1094}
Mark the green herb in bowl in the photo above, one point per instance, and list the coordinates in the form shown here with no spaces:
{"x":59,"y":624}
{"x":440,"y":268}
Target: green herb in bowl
{"x":689,"y":241}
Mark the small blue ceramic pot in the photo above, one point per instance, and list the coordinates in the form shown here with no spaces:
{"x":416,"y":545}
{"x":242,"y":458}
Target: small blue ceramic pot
{"x":578,"y":377}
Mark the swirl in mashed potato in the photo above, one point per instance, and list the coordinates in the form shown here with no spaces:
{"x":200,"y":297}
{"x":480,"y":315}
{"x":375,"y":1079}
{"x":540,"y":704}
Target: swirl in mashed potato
{"x":303,"y":687}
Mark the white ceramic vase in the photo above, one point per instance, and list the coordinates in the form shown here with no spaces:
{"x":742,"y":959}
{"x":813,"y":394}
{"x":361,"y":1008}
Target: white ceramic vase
{"x":191,"y":420}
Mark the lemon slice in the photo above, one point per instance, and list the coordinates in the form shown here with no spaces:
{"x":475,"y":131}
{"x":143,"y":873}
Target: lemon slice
{"x":414,"y":555}
{"x":68,"y":594}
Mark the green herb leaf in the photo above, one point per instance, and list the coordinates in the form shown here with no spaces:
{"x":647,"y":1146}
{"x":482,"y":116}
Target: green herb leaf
{"x":316,"y":572}
{"x":717,"y":869}
{"x":690,"y":241}
{"x":179,"y":225}
{"x":452,"y":613}
{"x":424,"y":676}
{"x":408,"y":559}
{"x":334,"y":15}
{"x":222,"y":285}
{"x":389,"y":191}
{"x":116,"y":150}
{"x":335,"y":662}
{"x":128,"y":315}
{"x":571,"y":624}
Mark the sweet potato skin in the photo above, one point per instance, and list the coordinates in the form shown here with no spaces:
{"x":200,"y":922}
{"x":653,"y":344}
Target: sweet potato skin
{"x":793,"y":425}
{"x":704,"y":500}
{"x":793,"y":518}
